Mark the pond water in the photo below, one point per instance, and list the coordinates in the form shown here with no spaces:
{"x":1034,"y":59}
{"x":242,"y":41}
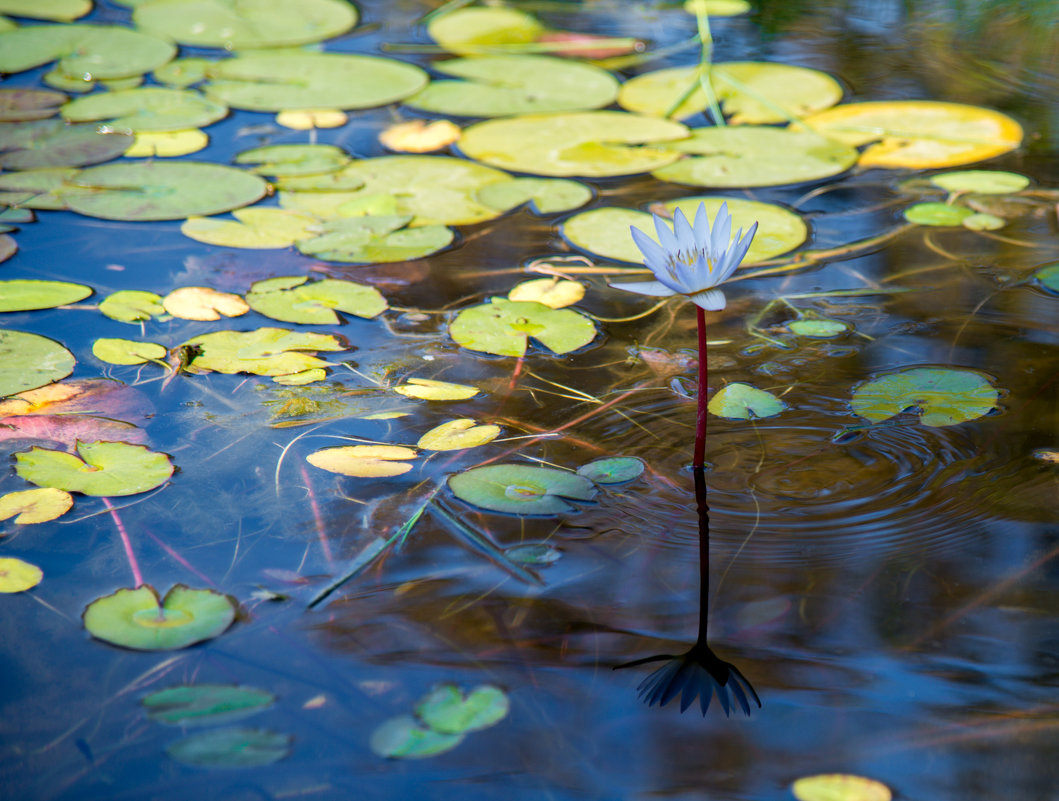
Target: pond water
{"x":888,"y":590}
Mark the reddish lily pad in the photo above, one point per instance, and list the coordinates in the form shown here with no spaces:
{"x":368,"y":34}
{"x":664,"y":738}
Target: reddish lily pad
{"x":53,"y":143}
{"x":29,"y":104}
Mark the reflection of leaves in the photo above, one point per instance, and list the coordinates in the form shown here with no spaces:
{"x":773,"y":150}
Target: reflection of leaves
{"x":138,"y":619}
{"x":945,"y":396}
{"x":102,"y":51}
{"x":504,"y":327}
{"x":232,"y":747}
{"x":447,"y":710}
{"x":204,"y":704}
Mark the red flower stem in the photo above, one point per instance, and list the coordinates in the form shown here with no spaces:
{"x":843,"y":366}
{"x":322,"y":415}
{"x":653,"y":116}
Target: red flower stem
{"x":699,"y":459}
{"x":137,"y":576}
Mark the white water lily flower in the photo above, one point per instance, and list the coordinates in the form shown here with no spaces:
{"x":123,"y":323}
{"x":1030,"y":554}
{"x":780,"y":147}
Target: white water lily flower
{"x":692,"y":260}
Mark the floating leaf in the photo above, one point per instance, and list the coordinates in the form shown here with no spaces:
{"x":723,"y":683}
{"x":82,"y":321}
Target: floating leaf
{"x":283,"y":160}
{"x":204,"y":704}
{"x":264,"y":351}
{"x":420,"y":136}
{"x":612,"y":469}
{"x":101,"y":51}
{"x":78,"y":398}
{"x":56,"y":10}
{"x":254,"y":228}
{"x":150,"y":109}
{"x":363,"y":461}
{"x":8,"y":247}
{"x":203,"y":303}
{"x":292,"y":300}
{"x":29,"y":104}
{"x":983,"y":222}
{"x":937,"y":214}
{"x":53,"y":143}
{"x":28,"y":361}
{"x":818,"y":327}
{"x":297,"y":80}
{"x":404,"y":738}
{"x":127,"y":351}
{"x":839,"y":787}
{"x":309,"y":376}
{"x":545,"y":195}
{"x":457,"y":435}
{"x":183,"y":72}
{"x":588,"y":143}
{"x":495,"y":86}
{"x":504,"y":327}
{"x":984,"y":182}
{"x":944,"y":396}
{"x":18,"y":576}
{"x":521,"y":489}
{"x":307,"y":119}
{"x":534,"y":553}
{"x":472,"y":30}
{"x":745,"y":155}
{"x":1048,"y":277}
{"x":137,"y":619}
{"x":429,"y":389}
{"x":67,"y":430}
{"x":448,"y":711}
{"x":555,"y":293}
{"x":132,"y":305}
{"x":375,"y":239}
{"x":247,"y":24}
{"x":35,"y":505}
{"x":37,"y":189}
{"x":104,"y":468}
{"x":29,"y":294}
{"x":167,"y":143}
{"x":919,"y":134}
{"x":738,"y":401}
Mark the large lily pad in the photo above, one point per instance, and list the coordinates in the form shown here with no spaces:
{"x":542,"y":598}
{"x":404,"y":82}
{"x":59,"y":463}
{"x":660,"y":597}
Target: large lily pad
{"x":54,"y":10}
{"x":472,"y":31}
{"x":264,"y":351}
{"x":152,"y":108}
{"x":232,"y":747}
{"x":944,"y":396}
{"x":293,"y":300}
{"x":100,"y":468}
{"x":27,"y":294}
{"x":28,"y":361}
{"x":98,"y":51}
{"x":588,"y":143}
{"x":748,"y":155}
{"x":919,"y":134}
{"x":161,"y":190}
{"x":52,"y":143}
{"x":37,"y":189}
{"x":138,"y":619}
{"x":495,"y":86}
{"x":204,"y":704}
{"x":504,"y":327}
{"x":521,"y":489}
{"x":246,"y":24}
{"x":285,"y":81}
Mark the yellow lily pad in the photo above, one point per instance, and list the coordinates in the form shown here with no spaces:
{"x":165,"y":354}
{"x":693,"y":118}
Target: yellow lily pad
{"x":35,"y":505}
{"x":840,"y":787}
{"x":203,"y":303}
{"x":18,"y":576}
{"x":254,"y":228}
{"x":127,"y":351}
{"x":555,"y":293}
{"x":308,"y":118}
{"x":420,"y":136}
{"x":429,"y":389}
{"x":167,"y":143}
{"x":458,"y":434}
{"x":363,"y":461}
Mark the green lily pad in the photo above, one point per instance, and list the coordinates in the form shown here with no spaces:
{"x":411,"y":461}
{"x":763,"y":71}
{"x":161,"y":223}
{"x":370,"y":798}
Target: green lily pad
{"x":605,"y":232}
{"x":984,"y":182}
{"x":747,"y":155}
{"x":738,"y":401}
{"x":521,"y":489}
{"x":152,"y":108}
{"x":55,"y":10}
{"x":944,"y":396}
{"x":99,"y":51}
{"x":545,"y":195}
{"x":17,"y":105}
{"x":448,"y":711}
{"x":52,"y":143}
{"x":374,"y":239}
{"x":937,"y":214}
{"x":296,"y":80}
{"x":612,"y":469}
{"x":496,"y":86}
{"x":36,"y":189}
{"x":231,"y":747}
{"x":818,"y":327}
{"x":8,"y":246}
{"x":983,"y":222}
{"x":132,"y":305}
{"x":127,"y":351}
{"x":1048,"y":277}
{"x":161,"y":190}
{"x":472,"y":31}
{"x":264,"y":351}
{"x":28,"y":361}
{"x":754,"y":92}
{"x":504,"y":327}
{"x":283,"y":160}
{"x":404,"y":738}
{"x":259,"y":228}
{"x":247,"y":24}
{"x":27,"y":294}
{"x":137,"y":619}
{"x":588,"y":143}
{"x":181,"y":73}
{"x":101,"y":468}
{"x":292,"y":300}
{"x":204,"y":704}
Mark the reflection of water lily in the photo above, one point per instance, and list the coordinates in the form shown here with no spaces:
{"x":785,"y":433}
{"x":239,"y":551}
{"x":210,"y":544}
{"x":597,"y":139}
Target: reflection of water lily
{"x":691,"y":260}
{"x":699,"y":673}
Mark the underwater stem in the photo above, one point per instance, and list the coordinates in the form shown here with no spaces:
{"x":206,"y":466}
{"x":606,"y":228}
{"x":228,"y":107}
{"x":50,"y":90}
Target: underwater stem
{"x":137,"y":576}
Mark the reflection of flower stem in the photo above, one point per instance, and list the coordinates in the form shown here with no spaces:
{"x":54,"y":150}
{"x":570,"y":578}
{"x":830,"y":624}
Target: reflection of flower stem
{"x":137,"y":576}
{"x":699,"y":457}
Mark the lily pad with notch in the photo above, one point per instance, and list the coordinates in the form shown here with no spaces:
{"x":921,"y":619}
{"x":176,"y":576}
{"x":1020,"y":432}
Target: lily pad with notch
{"x":293,"y":299}
{"x":504,"y":328}
{"x":204,"y":704}
{"x":374,"y":239}
{"x":35,"y":505}
{"x":447,"y":710}
{"x":127,"y":351}
{"x":102,"y":51}
{"x":139,"y":619}
{"x":522,"y":489}
{"x":30,"y":294}
{"x":739,"y":401}
{"x":612,"y":469}
{"x":99,"y":468}
{"x":132,"y":305}
{"x":473,"y":31}
{"x":263,"y":351}
{"x":544,"y":195}
{"x":28,"y":361}
{"x":285,"y":160}
{"x":404,"y":737}
{"x":151,"y":108}
{"x":364,"y":461}
{"x":53,"y":143}
{"x":255,"y":228}
{"x":458,"y":435}
{"x":944,"y":396}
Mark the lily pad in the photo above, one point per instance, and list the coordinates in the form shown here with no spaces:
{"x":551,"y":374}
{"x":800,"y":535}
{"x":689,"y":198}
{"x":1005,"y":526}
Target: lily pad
{"x":139,"y":620}
{"x":983,"y":182}
{"x":1048,"y":277}
{"x":18,"y":576}
{"x":35,"y":505}
{"x":132,"y":305}
{"x":28,"y":361}
{"x":504,"y":327}
{"x":521,"y":489}
{"x":100,"y":468}
{"x":204,"y":704}
{"x":839,"y":787}
{"x":127,"y":351}
{"x":983,"y":222}
{"x":296,"y":80}
{"x":28,"y":294}
{"x":419,"y":136}
{"x":730,"y":156}
{"x":37,"y":189}
{"x":429,"y":389}
{"x":750,"y":92}
{"x":818,"y":327}
{"x":545,"y":195}
{"x":247,"y":24}
{"x":375,"y":239}
{"x":448,"y":711}
{"x":588,"y":143}
{"x":944,"y":396}
{"x":937,"y":214}
{"x":183,"y":72}
{"x":203,"y":303}
{"x":264,"y":351}
{"x":612,"y":469}
{"x":152,"y":108}
{"x":457,"y":435}
{"x":257,"y":228}
{"x":231,"y":747}
{"x":738,"y":401}
{"x":98,"y":51}
{"x":919,"y":134}
{"x":310,"y":118}
{"x":29,"y":104}
{"x":161,"y":190}
{"x":496,"y":86}
{"x":404,"y":738}
{"x":472,"y":31}
{"x":364,"y":461}
{"x":555,"y":293}
{"x":167,"y":143}
{"x":293,"y":300}
{"x":55,"y":10}
{"x":283,"y":160}
{"x":52,"y":143}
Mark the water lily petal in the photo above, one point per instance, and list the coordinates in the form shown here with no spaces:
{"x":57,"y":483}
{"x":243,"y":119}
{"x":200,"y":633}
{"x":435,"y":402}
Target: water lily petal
{"x":666,"y":236}
{"x":653,"y":253}
{"x":702,"y":228}
{"x":655,"y":288}
{"x":685,"y":236}
{"x":722,"y":233}
{"x":710,"y":299}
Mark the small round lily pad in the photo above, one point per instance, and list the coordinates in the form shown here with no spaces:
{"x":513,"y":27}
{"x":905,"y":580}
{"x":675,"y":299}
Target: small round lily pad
{"x":447,"y":710}
{"x":429,"y":389}
{"x":612,"y":469}
{"x":151,"y":108}
{"x":944,"y":396}
{"x":54,"y":143}
{"x":100,"y":468}
{"x":127,"y":351}
{"x":739,"y":401}
{"x":132,"y":305}
{"x":818,"y":327}
{"x":521,"y":489}
{"x":364,"y":461}
{"x":405,"y":738}
{"x":35,"y":505}
{"x":982,"y":182}
{"x":457,"y":435}
{"x":231,"y":747}
{"x":17,"y":575}
{"x":937,"y":214}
